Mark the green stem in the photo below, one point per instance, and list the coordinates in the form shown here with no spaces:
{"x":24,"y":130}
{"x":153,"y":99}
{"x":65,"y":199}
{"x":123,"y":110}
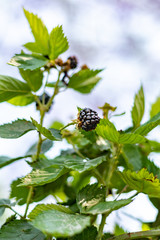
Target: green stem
{"x":101,"y":227}
{"x":28,"y":200}
{"x":137,"y":235}
{"x":54,"y":93}
{"x":15,"y":212}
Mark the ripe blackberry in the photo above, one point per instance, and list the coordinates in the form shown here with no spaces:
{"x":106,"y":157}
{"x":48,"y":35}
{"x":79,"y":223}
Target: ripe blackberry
{"x":88,"y":119}
{"x":73,"y":62}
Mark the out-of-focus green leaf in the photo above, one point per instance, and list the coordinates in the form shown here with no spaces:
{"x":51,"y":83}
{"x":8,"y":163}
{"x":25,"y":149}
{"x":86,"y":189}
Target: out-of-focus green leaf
{"x":46,"y":145}
{"x":4,"y":203}
{"x":4,"y":160}
{"x":155,"y":108}
{"x":12,"y":87}
{"x":142,"y":181}
{"x":148,"y":126}
{"x":87,"y":234}
{"x":16,"y":129}
{"x":84,"y":80}
{"x":22,"y":100}
{"x":52,"y":134}
{"x":58,"y":43}
{"x":107,"y":130}
{"x":40,"y":34}
{"x":20,"y":229}
{"x":33,"y":78}
{"x":138,"y":108}
{"x":58,"y":221}
{"x":28,"y":62}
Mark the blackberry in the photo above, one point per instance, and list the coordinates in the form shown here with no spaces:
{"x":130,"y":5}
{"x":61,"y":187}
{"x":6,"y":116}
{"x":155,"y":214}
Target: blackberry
{"x":73,"y":62}
{"x":88,"y":119}
{"x":46,"y":99}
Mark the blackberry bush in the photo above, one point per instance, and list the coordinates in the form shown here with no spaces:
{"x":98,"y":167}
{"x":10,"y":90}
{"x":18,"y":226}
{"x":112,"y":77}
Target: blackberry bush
{"x":91,"y":177}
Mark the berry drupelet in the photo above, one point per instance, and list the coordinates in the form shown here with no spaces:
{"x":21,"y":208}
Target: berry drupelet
{"x":88,"y":119}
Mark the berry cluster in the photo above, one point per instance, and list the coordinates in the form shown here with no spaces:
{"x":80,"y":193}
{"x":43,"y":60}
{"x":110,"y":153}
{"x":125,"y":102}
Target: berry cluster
{"x":88,"y":119}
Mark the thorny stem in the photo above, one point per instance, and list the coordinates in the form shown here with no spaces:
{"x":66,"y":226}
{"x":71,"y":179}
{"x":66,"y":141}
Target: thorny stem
{"x":137,"y":235}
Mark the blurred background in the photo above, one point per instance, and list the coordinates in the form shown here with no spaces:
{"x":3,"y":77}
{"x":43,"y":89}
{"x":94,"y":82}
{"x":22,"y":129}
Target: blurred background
{"x":121,"y":36}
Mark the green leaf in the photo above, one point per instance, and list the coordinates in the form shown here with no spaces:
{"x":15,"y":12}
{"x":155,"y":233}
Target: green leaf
{"x":12,"y":87}
{"x":142,"y":181}
{"x":58,"y":42}
{"x":16,"y":129}
{"x":27,"y":61}
{"x":58,"y":221}
{"x":42,"y":176}
{"x":4,"y":160}
{"x":148,"y":126}
{"x":88,"y":233}
{"x":40,"y":192}
{"x":155,"y":108}
{"x":46,"y":145}
{"x":133,"y":157}
{"x":138,"y":108}
{"x":40,"y":34}
{"x":108,"y":131}
{"x":20,"y":229}
{"x":107,"y":207}
{"x":84,"y":80}
{"x":3,"y":205}
{"x":33,"y":78}
{"x":79,"y":164}
{"x":90,"y":196}
{"x":118,"y":230}
{"x":52,"y":134}
{"x":22,"y":100}
{"x":53,"y":84}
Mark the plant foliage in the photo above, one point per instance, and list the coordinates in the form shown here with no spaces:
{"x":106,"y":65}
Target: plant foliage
{"x":97,"y":155}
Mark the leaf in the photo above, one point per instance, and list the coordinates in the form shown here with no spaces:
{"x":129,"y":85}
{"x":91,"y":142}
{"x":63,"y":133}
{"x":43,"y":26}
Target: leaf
{"x":33,"y":78}
{"x":28,"y":62}
{"x":53,"y":84}
{"x":148,"y":126}
{"x":108,"y":131}
{"x":22,"y":100}
{"x":107,"y":207}
{"x":3,"y":204}
{"x":142,"y":181}
{"x":90,"y":195}
{"x":79,"y":164}
{"x":43,"y":176}
{"x":4,"y":160}
{"x":52,"y":134}
{"x":46,"y":145}
{"x":12,"y":87}
{"x":40,"y":34}
{"x":84,"y":80}
{"x":118,"y":230}
{"x":16,"y":129}
{"x":138,"y":108}
{"x":57,"y":221}
{"x":58,"y":42}
{"x":87,"y":234}
{"x":40,"y":192}
{"x":155,"y":108}
{"x":20,"y":229}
